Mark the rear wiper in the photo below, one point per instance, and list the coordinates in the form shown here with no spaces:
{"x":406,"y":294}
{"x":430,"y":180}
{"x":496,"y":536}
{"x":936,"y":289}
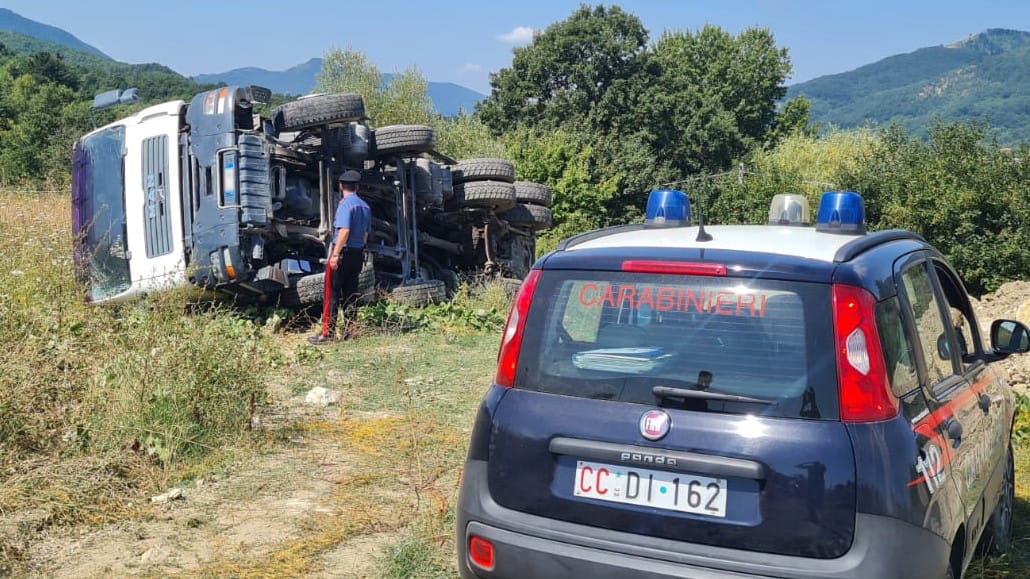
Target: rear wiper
{"x":663,"y":392}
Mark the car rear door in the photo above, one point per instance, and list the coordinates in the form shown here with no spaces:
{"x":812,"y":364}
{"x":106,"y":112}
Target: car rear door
{"x":757,"y":461}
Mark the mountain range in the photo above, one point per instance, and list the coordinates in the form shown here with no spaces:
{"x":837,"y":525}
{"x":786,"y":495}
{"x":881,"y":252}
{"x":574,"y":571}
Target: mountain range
{"x":448,"y":98}
{"x":983,"y":77}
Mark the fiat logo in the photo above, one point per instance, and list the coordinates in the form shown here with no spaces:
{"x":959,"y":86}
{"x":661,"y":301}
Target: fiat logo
{"x":654,"y":424}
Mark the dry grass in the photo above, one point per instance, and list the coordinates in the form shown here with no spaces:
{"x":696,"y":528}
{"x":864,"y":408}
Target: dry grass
{"x":100,"y":406}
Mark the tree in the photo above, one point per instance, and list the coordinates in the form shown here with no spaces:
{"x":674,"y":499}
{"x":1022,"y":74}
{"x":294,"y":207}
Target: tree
{"x":567,"y":70}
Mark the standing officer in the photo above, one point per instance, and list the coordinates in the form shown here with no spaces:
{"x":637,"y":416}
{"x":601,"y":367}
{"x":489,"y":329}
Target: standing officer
{"x":347,"y":255}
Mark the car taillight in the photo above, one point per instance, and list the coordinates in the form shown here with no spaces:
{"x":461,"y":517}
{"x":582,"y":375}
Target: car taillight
{"x":481,"y":553}
{"x":511,"y":341}
{"x":865,"y":394}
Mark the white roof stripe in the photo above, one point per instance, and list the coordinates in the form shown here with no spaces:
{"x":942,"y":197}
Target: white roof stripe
{"x":773,"y":239}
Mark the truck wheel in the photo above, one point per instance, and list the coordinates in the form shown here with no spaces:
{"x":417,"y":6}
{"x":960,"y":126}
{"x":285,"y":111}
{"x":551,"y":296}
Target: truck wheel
{"x":483,"y":170}
{"x":309,"y":290}
{"x":997,"y":536}
{"x":533,"y":193}
{"x":485,"y":195}
{"x":367,"y":281}
{"x":319,"y":110}
{"x":420,"y":294}
{"x":531,"y":217}
{"x":403,"y":139}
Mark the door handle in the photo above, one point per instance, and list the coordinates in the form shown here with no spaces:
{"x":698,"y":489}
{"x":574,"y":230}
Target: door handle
{"x":954,"y":432}
{"x":985,"y":403}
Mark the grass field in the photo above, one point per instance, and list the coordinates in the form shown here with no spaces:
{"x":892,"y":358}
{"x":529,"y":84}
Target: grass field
{"x":103,"y":407}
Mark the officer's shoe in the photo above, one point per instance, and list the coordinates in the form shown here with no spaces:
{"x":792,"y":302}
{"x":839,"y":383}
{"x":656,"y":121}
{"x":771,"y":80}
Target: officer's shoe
{"x":320,"y":340}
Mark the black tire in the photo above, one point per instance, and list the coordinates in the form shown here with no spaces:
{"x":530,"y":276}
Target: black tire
{"x":367,"y":281}
{"x":511,"y":286}
{"x":997,"y":536}
{"x":308,"y":291}
{"x":483,"y":170}
{"x":450,"y":281}
{"x":485,"y":195}
{"x":420,"y":294}
{"x":319,"y":110}
{"x":403,"y":139}
{"x":531,"y":217}
{"x":533,"y":193}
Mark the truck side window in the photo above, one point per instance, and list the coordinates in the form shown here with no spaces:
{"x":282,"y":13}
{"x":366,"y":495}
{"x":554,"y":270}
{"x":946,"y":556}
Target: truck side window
{"x":931,"y":333}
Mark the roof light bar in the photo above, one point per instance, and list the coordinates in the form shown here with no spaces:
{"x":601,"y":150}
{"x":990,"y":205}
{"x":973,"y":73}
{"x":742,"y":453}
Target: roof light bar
{"x":667,"y":208}
{"x":841,"y":212}
{"x":788,"y":209}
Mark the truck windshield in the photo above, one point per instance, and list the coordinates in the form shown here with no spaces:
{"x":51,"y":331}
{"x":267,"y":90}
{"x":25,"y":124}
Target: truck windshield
{"x":98,"y":214}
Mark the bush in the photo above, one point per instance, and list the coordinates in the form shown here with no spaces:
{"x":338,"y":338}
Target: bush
{"x":76,"y":379}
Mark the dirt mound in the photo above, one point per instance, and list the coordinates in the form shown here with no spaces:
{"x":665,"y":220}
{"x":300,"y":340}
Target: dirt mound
{"x":1012,"y":302}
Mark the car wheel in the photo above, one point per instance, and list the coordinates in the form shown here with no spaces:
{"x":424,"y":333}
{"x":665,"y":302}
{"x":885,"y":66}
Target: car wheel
{"x":319,"y":110}
{"x":997,"y":536}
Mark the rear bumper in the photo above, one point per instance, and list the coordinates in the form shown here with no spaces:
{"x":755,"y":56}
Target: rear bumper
{"x":532,"y":546}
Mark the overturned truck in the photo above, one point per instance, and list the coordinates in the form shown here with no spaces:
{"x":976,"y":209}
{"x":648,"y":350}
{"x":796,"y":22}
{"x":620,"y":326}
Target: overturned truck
{"x":212,"y":194}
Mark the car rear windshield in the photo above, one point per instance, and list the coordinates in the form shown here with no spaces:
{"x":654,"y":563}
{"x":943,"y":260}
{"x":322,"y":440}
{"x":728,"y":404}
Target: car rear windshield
{"x":616,"y":336}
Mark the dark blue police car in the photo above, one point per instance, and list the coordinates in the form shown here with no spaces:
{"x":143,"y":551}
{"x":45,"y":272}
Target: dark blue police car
{"x":783,"y":400}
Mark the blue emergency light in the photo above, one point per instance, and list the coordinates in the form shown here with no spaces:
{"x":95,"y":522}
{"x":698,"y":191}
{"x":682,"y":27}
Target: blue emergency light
{"x":841,"y":212}
{"x":667,"y":208}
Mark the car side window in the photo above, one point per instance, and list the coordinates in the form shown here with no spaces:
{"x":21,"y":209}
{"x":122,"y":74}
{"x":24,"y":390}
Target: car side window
{"x":931,"y":333}
{"x":960,"y":316}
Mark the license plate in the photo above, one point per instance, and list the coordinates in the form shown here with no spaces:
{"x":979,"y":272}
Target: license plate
{"x":687,"y":493}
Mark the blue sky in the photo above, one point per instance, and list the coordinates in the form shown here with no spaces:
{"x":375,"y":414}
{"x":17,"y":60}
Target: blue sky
{"x":462,"y":41}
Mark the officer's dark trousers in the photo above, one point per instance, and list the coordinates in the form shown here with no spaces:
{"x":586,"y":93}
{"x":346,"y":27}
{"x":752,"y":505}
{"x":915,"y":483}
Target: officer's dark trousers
{"x":341,"y":288}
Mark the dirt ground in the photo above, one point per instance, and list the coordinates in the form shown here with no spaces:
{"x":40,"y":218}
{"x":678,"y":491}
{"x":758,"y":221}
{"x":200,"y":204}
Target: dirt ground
{"x":220,"y":523}
{"x":1012,"y":302}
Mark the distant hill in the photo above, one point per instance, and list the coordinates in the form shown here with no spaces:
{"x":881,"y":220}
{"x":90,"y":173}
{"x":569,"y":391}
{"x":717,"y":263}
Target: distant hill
{"x":984,"y":76}
{"x":99,"y":73}
{"x":13,"y":22}
{"x":447,"y":97}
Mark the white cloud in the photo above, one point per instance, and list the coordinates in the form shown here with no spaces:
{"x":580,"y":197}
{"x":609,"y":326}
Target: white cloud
{"x":469,"y":67}
{"x":518,"y":35}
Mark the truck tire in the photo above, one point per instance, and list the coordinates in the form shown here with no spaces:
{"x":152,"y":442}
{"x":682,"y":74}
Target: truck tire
{"x":308,"y":291}
{"x":485,"y":195}
{"x":319,"y":110}
{"x":533,"y":193}
{"x":420,"y":293}
{"x":483,"y":170}
{"x":531,"y":217}
{"x":403,"y":139}
{"x":367,"y":281}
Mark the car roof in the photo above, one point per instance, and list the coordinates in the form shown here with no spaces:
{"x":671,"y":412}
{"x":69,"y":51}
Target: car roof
{"x":796,"y":241}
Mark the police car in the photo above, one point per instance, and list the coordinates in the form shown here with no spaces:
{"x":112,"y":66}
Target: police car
{"x":781,"y":400}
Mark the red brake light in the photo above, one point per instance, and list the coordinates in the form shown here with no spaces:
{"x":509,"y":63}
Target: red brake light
{"x":481,"y":553}
{"x":864,"y":392}
{"x":511,"y":340}
{"x":674,"y":267}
